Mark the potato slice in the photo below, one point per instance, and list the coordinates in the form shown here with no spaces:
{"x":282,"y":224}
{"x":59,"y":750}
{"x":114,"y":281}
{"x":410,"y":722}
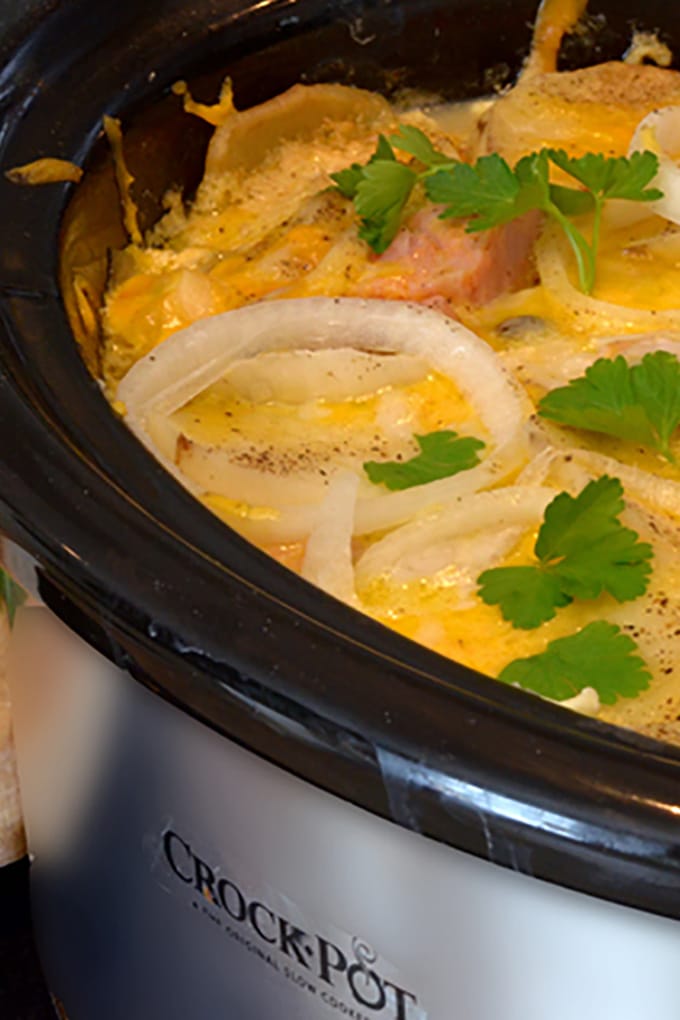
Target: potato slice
{"x":263,"y":163}
{"x":246,"y":139}
{"x":595,"y":109}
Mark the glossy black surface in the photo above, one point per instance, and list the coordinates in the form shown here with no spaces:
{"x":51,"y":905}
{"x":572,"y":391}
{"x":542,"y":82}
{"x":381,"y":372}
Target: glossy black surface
{"x":23,"y":995}
{"x":158,"y":584}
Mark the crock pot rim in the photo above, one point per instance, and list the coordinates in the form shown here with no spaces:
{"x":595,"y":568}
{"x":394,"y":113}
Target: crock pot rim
{"x":30,"y":403}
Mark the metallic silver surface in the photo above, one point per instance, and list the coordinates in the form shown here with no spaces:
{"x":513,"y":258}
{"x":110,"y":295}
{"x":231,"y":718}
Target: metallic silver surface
{"x":178,"y":875}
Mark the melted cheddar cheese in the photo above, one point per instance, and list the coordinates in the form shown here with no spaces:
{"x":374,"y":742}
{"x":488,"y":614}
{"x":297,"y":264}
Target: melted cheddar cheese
{"x":265,"y":225}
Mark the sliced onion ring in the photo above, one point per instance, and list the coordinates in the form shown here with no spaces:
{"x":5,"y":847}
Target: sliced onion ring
{"x":587,"y":314}
{"x":294,"y":377}
{"x":196,"y":357}
{"x":661,"y":494}
{"x":384,"y":510}
{"x":499,"y":508}
{"x":659,"y":132}
{"x":328,"y":556}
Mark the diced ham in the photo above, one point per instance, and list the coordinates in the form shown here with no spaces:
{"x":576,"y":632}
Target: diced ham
{"x":436,"y":262}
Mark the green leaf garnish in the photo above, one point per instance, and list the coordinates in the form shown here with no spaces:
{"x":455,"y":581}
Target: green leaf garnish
{"x":441,"y":454}
{"x":348,"y":180}
{"x":380,"y":190}
{"x":528,"y":596}
{"x":599,"y":656}
{"x":640,"y":403}
{"x":614,"y":176}
{"x":582,"y":549}
{"x":412,"y":140}
{"x":490,"y":193}
{"x":570,"y":201}
{"x":494,"y":194}
{"x":380,"y":199}
{"x":603,"y":178}
{"x":12,"y":594}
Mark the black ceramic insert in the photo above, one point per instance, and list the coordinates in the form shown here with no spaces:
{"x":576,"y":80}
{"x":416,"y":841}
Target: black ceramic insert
{"x":158,"y":584}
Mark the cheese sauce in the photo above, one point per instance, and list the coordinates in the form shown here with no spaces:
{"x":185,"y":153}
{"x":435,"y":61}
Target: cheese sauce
{"x":266,"y":226}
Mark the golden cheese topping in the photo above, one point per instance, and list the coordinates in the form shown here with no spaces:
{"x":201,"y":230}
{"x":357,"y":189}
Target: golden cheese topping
{"x":267,"y":226}
{"x":45,"y":171}
{"x":554,"y":19}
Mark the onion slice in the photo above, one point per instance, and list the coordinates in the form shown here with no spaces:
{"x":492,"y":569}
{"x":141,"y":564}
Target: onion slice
{"x":587,"y":701}
{"x":327,"y":561}
{"x":385,"y":510}
{"x":382,"y":511}
{"x":661,"y":494}
{"x":195,"y":358}
{"x":497,"y":509}
{"x":636,"y":346}
{"x":587,"y":314}
{"x":659,"y":132}
{"x":294,"y":377}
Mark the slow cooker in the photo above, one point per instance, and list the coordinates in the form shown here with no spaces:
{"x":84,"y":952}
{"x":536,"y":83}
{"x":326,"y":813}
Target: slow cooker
{"x":243,"y":799}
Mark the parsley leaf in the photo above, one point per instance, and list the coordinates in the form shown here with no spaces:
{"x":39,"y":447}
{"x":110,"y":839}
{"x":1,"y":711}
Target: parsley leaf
{"x":441,"y":454}
{"x":490,"y":193}
{"x":604,"y":178}
{"x":583,"y":550}
{"x":487,"y":191}
{"x":381,"y":188}
{"x":348,"y":180}
{"x":412,"y":140}
{"x":640,"y":403}
{"x":583,"y":541}
{"x":12,"y":594}
{"x":528,"y":596}
{"x":613,"y":176}
{"x":570,"y":201}
{"x":380,"y":199}
{"x":599,"y":656}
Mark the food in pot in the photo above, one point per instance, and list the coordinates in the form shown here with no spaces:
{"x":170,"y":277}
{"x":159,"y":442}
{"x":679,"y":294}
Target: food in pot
{"x":428,"y":358}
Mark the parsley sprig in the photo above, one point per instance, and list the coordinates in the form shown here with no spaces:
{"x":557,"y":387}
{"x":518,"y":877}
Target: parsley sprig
{"x":599,"y":656}
{"x":582,"y":550}
{"x":12,"y":594}
{"x":490,"y":192}
{"x":639,"y":402}
{"x":441,"y":454}
{"x":381,"y":188}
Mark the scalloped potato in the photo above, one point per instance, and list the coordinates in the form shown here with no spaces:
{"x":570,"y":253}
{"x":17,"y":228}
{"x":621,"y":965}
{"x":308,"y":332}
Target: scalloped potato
{"x":277,"y":442}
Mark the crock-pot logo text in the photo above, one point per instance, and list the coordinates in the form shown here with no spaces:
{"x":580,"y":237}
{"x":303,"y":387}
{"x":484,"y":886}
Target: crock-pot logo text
{"x":336,"y":969}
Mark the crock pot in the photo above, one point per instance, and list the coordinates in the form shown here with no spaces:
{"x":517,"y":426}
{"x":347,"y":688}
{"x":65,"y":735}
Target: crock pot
{"x":244,"y":799}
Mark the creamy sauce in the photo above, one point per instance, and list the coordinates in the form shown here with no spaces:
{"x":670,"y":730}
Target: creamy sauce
{"x":270,"y":230}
